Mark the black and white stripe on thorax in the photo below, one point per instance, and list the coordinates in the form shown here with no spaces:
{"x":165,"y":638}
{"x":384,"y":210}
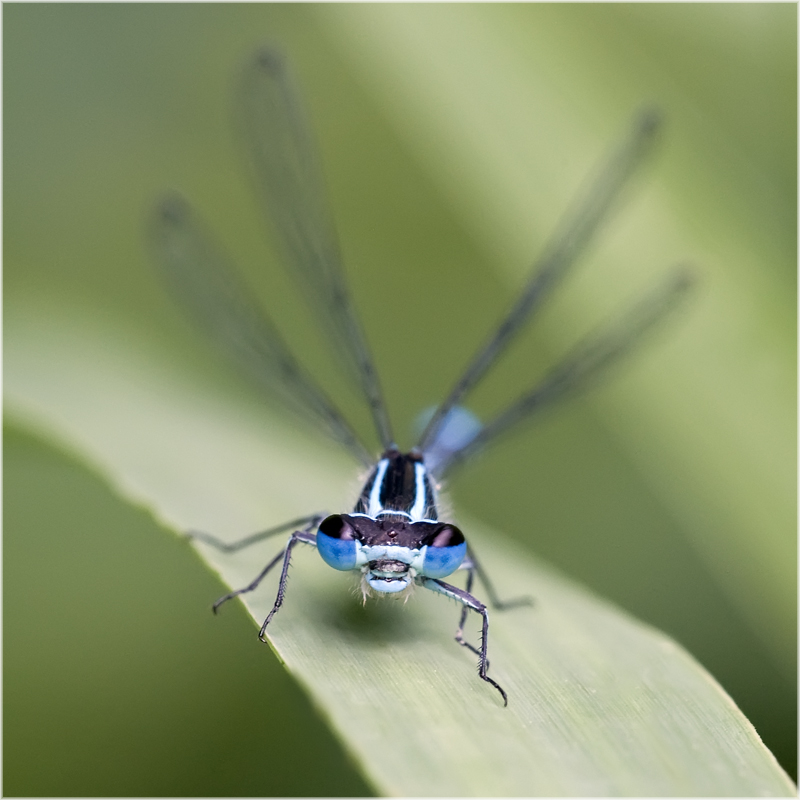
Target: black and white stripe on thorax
{"x":399,"y":484}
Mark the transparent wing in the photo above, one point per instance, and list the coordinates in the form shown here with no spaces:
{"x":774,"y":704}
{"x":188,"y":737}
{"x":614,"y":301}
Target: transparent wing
{"x":200,"y":277}
{"x":289,"y":178}
{"x":569,"y":240}
{"x":588,"y":360}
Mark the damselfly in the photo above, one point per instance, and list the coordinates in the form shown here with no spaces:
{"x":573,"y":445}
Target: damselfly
{"x":393,"y":536}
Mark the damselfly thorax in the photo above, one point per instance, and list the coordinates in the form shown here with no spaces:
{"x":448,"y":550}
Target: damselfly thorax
{"x":393,"y":535}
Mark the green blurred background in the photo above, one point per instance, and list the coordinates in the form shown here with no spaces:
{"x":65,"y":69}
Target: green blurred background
{"x":453,"y":137}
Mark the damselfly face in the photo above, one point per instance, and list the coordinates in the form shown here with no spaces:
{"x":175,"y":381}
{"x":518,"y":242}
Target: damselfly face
{"x":390,"y":551}
{"x":393,"y":536}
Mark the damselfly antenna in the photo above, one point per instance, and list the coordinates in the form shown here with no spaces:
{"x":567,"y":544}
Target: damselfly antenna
{"x":393,"y":537}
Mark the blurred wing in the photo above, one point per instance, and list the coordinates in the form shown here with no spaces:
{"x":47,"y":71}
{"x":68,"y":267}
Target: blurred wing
{"x":569,"y":240}
{"x":589,"y":360}
{"x":289,"y":178}
{"x":202,"y":280}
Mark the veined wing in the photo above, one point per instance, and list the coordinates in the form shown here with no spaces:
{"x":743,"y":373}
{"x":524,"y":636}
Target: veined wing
{"x":570,"y":239}
{"x":289,"y":178}
{"x":587,"y":361}
{"x":202,"y":280}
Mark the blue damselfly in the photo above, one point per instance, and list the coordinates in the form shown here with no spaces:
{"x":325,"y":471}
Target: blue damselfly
{"x":393,"y":536}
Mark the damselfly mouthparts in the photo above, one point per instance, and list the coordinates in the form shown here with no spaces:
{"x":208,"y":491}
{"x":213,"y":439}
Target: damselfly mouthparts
{"x":393,"y":536}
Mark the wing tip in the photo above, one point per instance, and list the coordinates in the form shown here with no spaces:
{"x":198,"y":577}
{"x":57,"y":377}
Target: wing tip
{"x":270,"y":59}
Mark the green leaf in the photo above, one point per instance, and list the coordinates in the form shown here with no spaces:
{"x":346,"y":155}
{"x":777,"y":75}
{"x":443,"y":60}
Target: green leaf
{"x":599,"y":704}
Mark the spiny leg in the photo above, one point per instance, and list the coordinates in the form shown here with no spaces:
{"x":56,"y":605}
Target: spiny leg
{"x":297,"y":536}
{"x":250,"y":586}
{"x":309,"y":523}
{"x":473,"y":567}
{"x":469,"y":566}
{"x":302,"y":523}
{"x":468,"y":601}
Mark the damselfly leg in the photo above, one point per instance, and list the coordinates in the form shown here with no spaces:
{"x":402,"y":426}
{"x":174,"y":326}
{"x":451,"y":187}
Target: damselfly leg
{"x":304,"y":535}
{"x":470,"y":602}
{"x":472,"y":567}
{"x":304,"y":523}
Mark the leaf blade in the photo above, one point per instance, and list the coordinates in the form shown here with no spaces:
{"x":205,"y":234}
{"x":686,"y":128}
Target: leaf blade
{"x":598,"y":703}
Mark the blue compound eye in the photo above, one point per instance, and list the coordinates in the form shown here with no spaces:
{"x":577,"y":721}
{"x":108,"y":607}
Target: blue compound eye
{"x":336,"y":542}
{"x":446,"y":550}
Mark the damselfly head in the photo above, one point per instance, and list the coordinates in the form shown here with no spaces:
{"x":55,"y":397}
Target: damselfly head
{"x":390,"y":550}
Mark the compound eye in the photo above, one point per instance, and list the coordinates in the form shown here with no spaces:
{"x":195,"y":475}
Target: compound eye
{"x":336,"y":542}
{"x":337,"y":527}
{"x":446,"y":550}
{"x":447,"y":536}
